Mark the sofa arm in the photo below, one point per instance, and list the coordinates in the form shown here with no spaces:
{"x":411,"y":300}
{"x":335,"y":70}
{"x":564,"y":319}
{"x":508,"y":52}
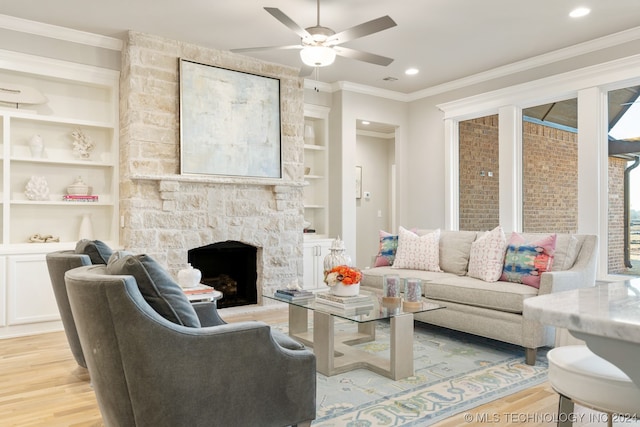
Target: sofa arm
{"x":581,"y":275}
{"x":558,"y":281}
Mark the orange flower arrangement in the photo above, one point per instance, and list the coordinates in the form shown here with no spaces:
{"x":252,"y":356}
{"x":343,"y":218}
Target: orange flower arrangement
{"x":343,"y":273}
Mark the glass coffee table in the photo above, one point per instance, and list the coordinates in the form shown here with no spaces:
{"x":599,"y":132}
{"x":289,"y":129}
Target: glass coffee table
{"x":335,"y":353}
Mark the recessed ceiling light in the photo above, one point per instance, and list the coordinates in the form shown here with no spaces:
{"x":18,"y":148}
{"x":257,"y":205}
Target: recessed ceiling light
{"x":579,"y":12}
{"x":411,"y":71}
{"x":364,"y":122}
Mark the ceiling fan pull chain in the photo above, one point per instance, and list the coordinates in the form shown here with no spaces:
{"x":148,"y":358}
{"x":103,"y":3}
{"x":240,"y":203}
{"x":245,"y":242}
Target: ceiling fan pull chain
{"x":317,"y":79}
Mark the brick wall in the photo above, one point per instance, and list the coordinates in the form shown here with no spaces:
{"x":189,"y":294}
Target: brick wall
{"x":616,"y":215}
{"x":165,"y":214}
{"x":550,"y":179}
{"x":479,"y":194}
{"x":550,"y":196}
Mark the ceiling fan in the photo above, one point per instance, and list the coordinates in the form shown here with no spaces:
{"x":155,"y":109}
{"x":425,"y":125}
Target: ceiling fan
{"x":320,"y":45}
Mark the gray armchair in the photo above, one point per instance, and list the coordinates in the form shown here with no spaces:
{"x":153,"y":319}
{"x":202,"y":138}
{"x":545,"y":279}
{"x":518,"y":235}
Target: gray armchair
{"x":149,"y":371}
{"x":58,"y":263}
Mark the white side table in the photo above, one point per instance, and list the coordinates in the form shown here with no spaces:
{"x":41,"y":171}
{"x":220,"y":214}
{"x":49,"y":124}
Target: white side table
{"x":202,"y":293}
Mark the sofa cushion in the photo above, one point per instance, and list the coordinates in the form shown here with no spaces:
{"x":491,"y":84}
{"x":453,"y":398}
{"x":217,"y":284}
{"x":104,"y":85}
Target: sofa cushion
{"x":455,"y":247}
{"x":525,"y":260}
{"x":373,"y":277}
{"x":417,"y":252}
{"x":387,"y":249}
{"x":486,"y":257}
{"x":502,"y":296}
{"x":98,"y":251}
{"x":157,"y":287}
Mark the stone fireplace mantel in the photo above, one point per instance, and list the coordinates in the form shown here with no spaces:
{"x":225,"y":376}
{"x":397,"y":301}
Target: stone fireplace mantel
{"x":211,"y":179}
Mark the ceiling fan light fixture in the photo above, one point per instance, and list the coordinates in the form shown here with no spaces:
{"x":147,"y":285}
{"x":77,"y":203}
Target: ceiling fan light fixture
{"x":317,"y":56}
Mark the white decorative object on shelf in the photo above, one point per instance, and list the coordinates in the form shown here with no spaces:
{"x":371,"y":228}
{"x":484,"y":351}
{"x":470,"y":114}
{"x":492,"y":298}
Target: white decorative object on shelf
{"x":78,"y":188}
{"x":19,"y":94}
{"x":37,"y":188}
{"x":36,"y":145}
{"x":309,"y":135}
{"x":86,"y":227}
{"x":82,"y":144}
{"x":189,"y":277}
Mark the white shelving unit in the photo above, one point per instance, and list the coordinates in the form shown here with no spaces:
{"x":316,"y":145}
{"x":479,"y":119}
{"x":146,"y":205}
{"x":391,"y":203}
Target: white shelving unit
{"x":78,"y":97}
{"x":316,"y":210}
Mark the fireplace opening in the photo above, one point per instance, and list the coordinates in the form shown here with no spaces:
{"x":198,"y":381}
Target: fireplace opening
{"x":229,"y":267}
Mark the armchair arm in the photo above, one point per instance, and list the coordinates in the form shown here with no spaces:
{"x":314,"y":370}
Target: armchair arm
{"x":208,"y":313}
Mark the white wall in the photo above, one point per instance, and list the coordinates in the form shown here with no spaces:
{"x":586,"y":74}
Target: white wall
{"x":348,"y":107}
{"x":375,"y":155}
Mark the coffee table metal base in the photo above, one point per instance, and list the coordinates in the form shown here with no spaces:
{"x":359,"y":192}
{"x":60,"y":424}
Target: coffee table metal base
{"x":334,"y":351}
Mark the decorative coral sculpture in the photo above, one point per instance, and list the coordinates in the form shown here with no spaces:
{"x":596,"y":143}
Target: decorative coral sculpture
{"x":82,"y":144}
{"x":37,"y":188}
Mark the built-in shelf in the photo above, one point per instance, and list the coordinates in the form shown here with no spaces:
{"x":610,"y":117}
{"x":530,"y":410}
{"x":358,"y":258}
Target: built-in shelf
{"x":77,"y":97}
{"x":316,"y":162}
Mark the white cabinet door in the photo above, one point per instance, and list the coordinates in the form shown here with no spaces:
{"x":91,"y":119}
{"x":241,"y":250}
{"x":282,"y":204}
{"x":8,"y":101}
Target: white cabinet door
{"x":313,"y":262}
{"x":30,"y":294}
{"x":3,"y":291}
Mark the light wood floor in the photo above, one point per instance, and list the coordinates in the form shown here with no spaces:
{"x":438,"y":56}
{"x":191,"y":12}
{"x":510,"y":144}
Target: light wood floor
{"x":41,"y":385}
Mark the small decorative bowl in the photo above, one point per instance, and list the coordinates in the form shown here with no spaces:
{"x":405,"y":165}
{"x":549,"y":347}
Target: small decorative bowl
{"x":78,"y":188}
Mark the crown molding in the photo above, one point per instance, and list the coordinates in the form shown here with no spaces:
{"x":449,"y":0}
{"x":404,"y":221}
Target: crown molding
{"x":533,"y":62}
{"x":547,"y":89}
{"x":604,"y":42}
{"x":59,"y":33}
{"x":374,"y":134}
{"x":369,"y":90}
{"x":24,"y":62}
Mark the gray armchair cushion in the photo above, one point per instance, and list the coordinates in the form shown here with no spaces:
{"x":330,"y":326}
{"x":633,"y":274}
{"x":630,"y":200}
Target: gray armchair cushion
{"x":157,"y":287}
{"x":98,"y":251}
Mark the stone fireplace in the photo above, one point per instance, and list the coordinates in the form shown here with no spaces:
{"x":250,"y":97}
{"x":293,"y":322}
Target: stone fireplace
{"x":166,"y":214}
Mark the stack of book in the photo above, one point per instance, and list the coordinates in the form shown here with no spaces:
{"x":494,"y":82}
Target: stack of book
{"x":199,"y":289}
{"x":296,"y":295}
{"x":79,"y":198}
{"x":358,"y":304}
{"x":201,"y":292}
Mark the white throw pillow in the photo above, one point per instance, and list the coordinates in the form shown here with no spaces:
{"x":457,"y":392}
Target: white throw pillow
{"x":418,"y":252}
{"x":486,"y":258}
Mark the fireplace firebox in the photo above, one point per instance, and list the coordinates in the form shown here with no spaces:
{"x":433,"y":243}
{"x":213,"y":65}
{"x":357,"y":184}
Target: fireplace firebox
{"x":230,"y":267}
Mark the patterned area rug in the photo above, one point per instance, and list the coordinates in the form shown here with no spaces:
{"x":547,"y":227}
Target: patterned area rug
{"x":454,"y":372}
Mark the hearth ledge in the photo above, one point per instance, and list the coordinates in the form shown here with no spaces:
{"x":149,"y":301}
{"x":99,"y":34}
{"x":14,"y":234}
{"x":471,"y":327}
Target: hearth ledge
{"x":219,"y":180}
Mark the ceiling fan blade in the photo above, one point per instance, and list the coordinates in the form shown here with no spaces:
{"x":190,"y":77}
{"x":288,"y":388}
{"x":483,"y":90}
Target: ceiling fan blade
{"x":362,"y":56}
{"x":280,"y":16}
{"x":362,"y":30}
{"x":256,"y":49}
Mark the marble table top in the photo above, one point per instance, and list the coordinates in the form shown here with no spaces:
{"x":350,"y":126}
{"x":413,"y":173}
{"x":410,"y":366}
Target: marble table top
{"x":609,"y":310}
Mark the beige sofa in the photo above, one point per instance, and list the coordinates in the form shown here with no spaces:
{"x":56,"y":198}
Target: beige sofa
{"x":494,"y":310}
